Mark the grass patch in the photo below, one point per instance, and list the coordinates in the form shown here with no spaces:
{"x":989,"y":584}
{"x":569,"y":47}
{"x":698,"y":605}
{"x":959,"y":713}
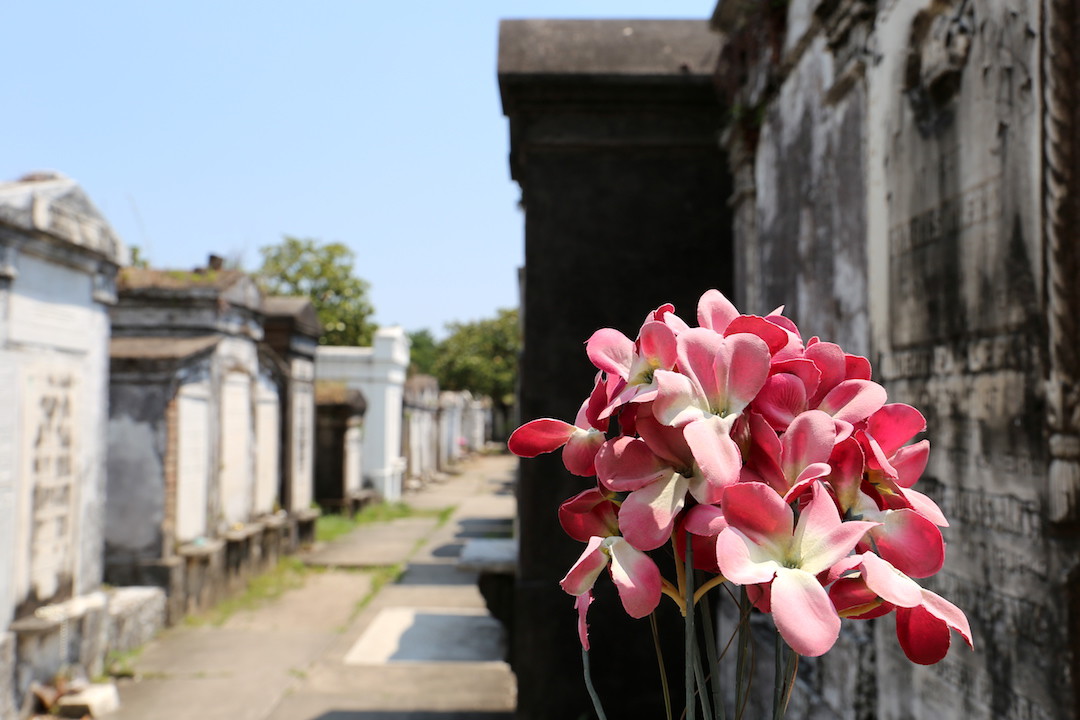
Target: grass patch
{"x":120,"y":664}
{"x":287,"y":575}
{"x":379,"y":577}
{"x":330,"y":526}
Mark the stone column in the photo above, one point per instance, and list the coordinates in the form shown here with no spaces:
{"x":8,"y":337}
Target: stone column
{"x":613,"y":129}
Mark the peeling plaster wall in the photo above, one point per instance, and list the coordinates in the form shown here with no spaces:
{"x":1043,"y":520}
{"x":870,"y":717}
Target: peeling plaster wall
{"x":56,"y":338}
{"x":892,"y":192}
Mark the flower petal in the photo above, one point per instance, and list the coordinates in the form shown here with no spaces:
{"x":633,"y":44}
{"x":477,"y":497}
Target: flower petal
{"x":626,"y":463}
{"x":636,"y":578}
{"x":889,"y":583}
{"x":821,"y":539}
{"x":829,"y":359}
{"x":910,"y":462}
{"x":755,"y":510}
{"x":705,"y":520}
{"x":656,"y":342}
{"x":581,"y":604}
{"x":715,"y":311}
{"x":854,"y":400}
{"x":539,"y":436}
{"x":678,"y":399}
{"x":579,"y":455}
{"x":611,"y":351}
{"x":923,"y":637}
{"x":953,"y":616}
{"x":782,"y":398}
{"x":803,"y":612}
{"x":741,"y":367}
{"x":809,"y":439}
{"x":698,"y":349}
{"x":742,"y":561}
{"x":925,"y":506}
{"x":847,"y":472}
{"x":716,"y":454}
{"x":587,"y":514}
{"x":893,"y":425}
{"x":911,"y":543}
{"x":583,"y":574}
{"x":774,"y":336}
{"x":648,"y":514}
{"x":666,"y":442}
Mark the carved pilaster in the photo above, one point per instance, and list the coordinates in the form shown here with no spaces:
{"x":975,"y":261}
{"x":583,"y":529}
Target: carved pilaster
{"x":1061,"y":184}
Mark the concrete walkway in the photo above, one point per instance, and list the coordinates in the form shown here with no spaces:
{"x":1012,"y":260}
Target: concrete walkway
{"x":422,"y":648}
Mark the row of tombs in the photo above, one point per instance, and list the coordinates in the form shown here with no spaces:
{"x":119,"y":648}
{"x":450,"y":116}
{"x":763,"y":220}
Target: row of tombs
{"x":167,"y":434}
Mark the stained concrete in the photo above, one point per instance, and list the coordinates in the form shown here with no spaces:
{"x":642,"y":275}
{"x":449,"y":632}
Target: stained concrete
{"x":287,"y":660}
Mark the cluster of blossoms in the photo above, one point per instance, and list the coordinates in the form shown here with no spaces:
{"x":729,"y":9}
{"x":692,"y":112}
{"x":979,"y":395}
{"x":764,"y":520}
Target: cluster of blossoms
{"x":779,"y":460}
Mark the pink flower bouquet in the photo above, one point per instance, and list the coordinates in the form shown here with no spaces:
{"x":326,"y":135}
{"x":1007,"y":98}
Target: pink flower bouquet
{"x":768,"y":463}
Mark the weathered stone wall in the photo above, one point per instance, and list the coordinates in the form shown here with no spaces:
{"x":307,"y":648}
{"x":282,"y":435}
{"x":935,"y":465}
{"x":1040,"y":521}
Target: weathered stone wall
{"x":899,"y":192}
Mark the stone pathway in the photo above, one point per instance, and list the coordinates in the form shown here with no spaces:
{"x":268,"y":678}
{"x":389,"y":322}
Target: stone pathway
{"x":423,"y":648}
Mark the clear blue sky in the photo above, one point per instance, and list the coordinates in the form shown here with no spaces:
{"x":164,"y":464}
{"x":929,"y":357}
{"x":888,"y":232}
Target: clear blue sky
{"x":201,"y":127}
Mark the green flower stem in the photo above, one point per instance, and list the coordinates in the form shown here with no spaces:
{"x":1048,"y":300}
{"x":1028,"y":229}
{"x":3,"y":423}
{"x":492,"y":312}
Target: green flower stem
{"x":703,"y":687}
{"x":588,"y":684}
{"x":691,"y":705}
{"x":710,"y":655}
{"x":778,"y":679}
{"x":660,"y":661}
{"x":742,"y":668}
{"x":787,"y":665}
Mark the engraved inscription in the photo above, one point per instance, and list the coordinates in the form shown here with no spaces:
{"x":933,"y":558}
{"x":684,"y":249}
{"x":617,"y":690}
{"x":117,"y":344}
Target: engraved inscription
{"x":53,"y":473}
{"x":990,"y":511}
{"x":1011,"y":351}
{"x":957,"y":268}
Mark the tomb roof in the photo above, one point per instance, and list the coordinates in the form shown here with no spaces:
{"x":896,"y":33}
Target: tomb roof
{"x":606,"y":47}
{"x":298,"y":309}
{"x":160,"y":348}
{"x":52,"y":205}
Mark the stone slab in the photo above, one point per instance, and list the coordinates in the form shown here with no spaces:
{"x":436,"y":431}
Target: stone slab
{"x":136,"y":615}
{"x":406,"y":634}
{"x":95,"y":701}
{"x":351,"y":707}
{"x":490,"y":555}
{"x":446,"y":687}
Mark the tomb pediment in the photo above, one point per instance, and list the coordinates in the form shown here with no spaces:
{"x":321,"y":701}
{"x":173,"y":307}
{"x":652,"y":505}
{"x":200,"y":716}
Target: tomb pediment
{"x":55,"y":206}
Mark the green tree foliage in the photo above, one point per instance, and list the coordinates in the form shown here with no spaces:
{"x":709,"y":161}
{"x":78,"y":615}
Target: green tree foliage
{"x":423,"y":351}
{"x":481,"y":357}
{"x":324,"y":273}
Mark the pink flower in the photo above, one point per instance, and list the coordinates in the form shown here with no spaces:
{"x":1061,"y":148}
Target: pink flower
{"x":657,"y":470}
{"x":634,"y":362}
{"x":545,"y":435}
{"x":763,"y":544}
{"x":923,"y":630}
{"x":904,"y":537}
{"x":838,"y":384}
{"x":718,"y":377}
{"x":869,"y":586}
{"x":635,"y":575}
{"x":790,"y":462}
{"x":589,"y":513}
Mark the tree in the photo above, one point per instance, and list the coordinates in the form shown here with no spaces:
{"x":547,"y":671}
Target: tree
{"x":324,"y":273}
{"x":482,"y":357}
{"x":423,"y":352}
